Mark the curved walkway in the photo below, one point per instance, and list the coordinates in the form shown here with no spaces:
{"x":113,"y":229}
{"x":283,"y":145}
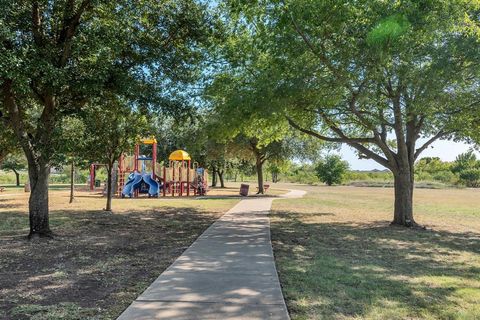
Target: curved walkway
{"x":227,"y":273}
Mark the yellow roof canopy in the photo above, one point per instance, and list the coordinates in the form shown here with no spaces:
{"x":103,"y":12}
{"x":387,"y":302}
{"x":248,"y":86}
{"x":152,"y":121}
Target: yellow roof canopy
{"x":148,"y":140}
{"x":179,"y":155}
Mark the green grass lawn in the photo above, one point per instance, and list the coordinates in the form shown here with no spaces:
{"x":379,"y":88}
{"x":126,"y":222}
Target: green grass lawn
{"x":338,"y":258}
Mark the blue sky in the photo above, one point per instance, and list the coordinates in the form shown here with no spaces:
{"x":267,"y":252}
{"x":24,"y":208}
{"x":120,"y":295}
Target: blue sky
{"x":445,"y":150}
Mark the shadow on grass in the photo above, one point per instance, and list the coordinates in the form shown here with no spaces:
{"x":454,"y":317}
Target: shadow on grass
{"x":98,"y":261}
{"x":373,"y":270}
{"x":8,"y":209}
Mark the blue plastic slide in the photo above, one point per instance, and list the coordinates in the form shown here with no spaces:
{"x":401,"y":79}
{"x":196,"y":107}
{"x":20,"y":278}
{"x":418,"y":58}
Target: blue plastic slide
{"x":134,"y":182}
{"x":153,"y":190}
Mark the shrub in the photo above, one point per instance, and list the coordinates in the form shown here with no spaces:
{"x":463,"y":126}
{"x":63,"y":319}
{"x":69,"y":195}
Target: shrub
{"x":331,"y":170}
{"x":471,"y":177}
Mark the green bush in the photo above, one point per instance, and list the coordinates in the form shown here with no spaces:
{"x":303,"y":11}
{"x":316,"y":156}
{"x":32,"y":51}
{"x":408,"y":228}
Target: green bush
{"x":331,"y":170}
{"x":471,"y":177}
{"x":62,"y":177}
{"x":368,"y":175}
{"x":300,"y":173}
{"x":445,"y":177}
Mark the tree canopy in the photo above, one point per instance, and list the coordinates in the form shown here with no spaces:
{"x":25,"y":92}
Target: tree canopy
{"x":58,"y":56}
{"x":375,"y":75}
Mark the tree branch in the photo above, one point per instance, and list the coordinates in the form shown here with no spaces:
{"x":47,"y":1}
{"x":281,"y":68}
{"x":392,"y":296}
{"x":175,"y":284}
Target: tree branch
{"x":16,"y":120}
{"x":317,"y":52}
{"x":440,"y":134}
{"x":69,"y":28}
{"x":37,"y":25}
{"x":353,"y":142}
{"x":325,"y":138}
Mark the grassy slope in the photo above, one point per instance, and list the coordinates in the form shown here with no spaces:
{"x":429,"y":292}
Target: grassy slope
{"x":339,"y":259}
{"x":99,"y":262}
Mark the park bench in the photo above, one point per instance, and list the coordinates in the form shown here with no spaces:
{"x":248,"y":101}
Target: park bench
{"x":265,"y":187}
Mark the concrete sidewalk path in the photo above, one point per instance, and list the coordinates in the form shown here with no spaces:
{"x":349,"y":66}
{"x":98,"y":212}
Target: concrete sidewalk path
{"x":227,"y":273}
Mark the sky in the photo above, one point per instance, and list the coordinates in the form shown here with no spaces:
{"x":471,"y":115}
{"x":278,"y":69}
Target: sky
{"x":445,"y":150}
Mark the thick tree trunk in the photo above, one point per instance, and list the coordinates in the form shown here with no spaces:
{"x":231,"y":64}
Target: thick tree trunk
{"x":38,"y":202}
{"x":403,"y":212}
{"x":214,"y":176}
{"x":17,"y":176}
{"x":108,"y":207}
{"x":259,"y":167}
{"x":72,"y":182}
{"x":220,"y":177}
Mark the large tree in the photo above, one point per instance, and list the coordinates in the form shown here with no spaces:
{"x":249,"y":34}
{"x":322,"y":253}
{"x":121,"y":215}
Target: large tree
{"x":383,"y":77}
{"x":237,"y":97}
{"x":56,"y":56}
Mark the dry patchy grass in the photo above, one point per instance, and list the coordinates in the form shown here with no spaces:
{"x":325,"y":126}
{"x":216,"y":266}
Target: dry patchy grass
{"x":98,"y":262}
{"x":338,"y":258}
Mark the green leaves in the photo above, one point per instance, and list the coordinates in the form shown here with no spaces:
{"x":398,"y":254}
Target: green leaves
{"x":111,"y":129}
{"x":64,"y":55}
{"x":388,"y":30}
{"x":331,"y":170}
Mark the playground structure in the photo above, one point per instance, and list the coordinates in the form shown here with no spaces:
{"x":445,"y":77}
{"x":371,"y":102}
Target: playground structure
{"x":139,"y":174}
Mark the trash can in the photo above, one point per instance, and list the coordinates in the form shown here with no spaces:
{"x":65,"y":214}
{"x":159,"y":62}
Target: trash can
{"x":97,"y":183}
{"x":244,"y":189}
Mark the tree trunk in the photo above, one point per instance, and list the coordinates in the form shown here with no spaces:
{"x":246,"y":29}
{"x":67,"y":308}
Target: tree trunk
{"x":259,"y":167}
{"x":274,"y":176}
{"x":17,"y":176}
{"x":235,"y":176}
{"x":38,"y":202}
{"x":38,"y":150}
{"x":214,"y":176}
{"x":404,"y":184}
{"x":72,"y":181}
{"x":220,"y":177}
{"x":108,"y":207}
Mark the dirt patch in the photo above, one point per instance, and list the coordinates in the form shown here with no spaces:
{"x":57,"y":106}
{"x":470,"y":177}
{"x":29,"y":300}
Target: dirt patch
{"x":97,"y":264}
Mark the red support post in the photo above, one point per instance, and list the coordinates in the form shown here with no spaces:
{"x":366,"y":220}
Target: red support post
{"x":154,"y":158}
{"x":92,"y":177}
{"x":174,"y":186}
{"x":180,"y":176}
{"x":164,"y":180}
{"x":188,"y":179}
{"x":137,"y":152}
{"x":120,"y":163}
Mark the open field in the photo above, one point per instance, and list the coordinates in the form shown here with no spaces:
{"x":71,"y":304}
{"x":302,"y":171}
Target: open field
{"x":336,"y":254}
{"x":338,"y":258}
{"x":98,"y":262}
